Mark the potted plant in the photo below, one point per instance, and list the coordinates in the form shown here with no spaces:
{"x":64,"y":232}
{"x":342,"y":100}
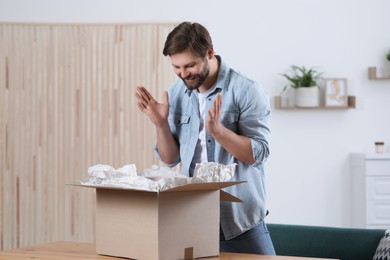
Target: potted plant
{"x":305,"y":82}
{"x":388,"y":56}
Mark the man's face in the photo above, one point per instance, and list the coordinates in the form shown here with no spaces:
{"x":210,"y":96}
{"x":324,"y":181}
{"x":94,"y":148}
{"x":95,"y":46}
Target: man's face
{"x":190,"y":68}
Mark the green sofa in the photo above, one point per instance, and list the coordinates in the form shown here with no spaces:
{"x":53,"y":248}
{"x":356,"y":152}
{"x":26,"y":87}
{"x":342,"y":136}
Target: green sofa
{"x":325,"y":242}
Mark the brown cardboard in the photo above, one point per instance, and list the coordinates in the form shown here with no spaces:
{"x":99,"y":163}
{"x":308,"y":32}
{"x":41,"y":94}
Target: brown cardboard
{"x":177,"y":223}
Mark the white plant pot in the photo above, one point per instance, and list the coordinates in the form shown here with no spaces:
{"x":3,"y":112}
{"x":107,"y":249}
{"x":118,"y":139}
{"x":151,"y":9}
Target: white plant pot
{"x":307,"y":97}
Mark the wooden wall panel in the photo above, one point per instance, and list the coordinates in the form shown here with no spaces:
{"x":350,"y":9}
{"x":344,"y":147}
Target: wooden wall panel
{"x":67,"y":102}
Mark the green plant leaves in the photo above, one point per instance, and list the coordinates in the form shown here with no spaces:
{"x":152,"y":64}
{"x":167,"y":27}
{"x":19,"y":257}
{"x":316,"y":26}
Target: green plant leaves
{"x":302,"y":77}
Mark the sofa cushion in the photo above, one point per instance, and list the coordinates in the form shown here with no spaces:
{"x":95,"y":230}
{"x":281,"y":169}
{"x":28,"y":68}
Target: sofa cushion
{"x":383,"y":250}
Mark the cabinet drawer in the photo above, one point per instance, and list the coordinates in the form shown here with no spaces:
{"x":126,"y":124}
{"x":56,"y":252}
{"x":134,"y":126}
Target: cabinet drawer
{"x":377,"y":188}
{"x":378,"y":167}
{"x":378,"y":213}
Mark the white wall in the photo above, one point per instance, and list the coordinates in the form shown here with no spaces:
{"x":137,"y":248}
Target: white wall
{"x":308,"y":172}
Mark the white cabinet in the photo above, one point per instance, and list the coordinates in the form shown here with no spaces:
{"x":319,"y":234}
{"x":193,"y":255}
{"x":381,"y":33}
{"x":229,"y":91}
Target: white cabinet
{"x":370,"y":190}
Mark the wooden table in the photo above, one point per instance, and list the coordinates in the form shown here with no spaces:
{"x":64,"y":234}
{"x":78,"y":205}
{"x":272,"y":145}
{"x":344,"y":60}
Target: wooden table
{"x":77,"y":251}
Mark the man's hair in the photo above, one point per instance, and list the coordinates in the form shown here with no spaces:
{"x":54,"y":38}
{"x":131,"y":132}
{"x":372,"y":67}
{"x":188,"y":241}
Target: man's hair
{"x":191,"y":36}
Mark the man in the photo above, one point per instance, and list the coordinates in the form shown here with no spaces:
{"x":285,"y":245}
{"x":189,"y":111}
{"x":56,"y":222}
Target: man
{"x":213,"y":113}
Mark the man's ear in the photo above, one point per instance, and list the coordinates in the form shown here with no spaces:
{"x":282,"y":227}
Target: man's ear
{"x":210,"y":53}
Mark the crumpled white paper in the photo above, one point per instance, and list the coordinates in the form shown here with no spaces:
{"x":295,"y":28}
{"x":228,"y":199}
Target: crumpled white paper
{"x":156,"y":178}
{"x":213,"y":172}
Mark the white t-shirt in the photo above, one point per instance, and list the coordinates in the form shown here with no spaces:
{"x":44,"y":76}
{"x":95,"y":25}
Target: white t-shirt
{"x":200,"y":154}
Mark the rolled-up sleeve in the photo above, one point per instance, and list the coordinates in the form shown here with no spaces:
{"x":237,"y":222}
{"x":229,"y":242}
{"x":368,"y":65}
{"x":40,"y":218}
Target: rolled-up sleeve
{"x":157,"y":154}
{"x":254,"y":121}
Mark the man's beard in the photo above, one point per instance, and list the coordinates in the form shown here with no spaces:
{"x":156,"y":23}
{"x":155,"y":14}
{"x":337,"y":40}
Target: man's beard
{"x":199,"y":78}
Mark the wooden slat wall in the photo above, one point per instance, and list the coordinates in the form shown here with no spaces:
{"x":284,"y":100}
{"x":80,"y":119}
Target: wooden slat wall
{"x":67,"y":102}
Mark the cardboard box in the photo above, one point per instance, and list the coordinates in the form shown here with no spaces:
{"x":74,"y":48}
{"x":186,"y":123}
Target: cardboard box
{"x":178,"y":223}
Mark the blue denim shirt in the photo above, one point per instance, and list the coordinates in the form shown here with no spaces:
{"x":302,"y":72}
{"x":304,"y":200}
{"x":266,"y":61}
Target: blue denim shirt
{"x":245,"y":111}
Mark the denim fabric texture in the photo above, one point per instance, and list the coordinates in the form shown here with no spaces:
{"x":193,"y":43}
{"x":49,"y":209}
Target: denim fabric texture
{"x":254,"y":241}
{"x":245,"y":111}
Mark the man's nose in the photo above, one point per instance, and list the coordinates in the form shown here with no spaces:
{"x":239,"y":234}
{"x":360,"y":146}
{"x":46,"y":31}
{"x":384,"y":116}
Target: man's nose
{"x":184,"y":73}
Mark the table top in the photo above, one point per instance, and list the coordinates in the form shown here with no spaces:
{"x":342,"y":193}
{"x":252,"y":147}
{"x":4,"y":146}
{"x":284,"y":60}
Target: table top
{"x":77,"y":251}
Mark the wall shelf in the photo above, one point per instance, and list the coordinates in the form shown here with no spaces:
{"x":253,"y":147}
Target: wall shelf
{"x":372,"y":74}
{"x":351,"y":105}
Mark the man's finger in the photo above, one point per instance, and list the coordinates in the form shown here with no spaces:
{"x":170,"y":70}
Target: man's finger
{"x":142,"y":93}
{"x":211,"y":115}
{"x":140,"y":106}
{"x":165,"y":97}
{"x":219,"y":102}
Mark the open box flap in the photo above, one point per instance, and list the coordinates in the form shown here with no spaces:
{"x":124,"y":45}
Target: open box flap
{"x":225,"y":196}
{"x":203,"y":186}
{"x":187,"y":187}
{"x":109,"y":187}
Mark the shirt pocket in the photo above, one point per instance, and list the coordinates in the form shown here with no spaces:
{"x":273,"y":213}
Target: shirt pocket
{"x":230,"y":120}
{"x":182,"y":125}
